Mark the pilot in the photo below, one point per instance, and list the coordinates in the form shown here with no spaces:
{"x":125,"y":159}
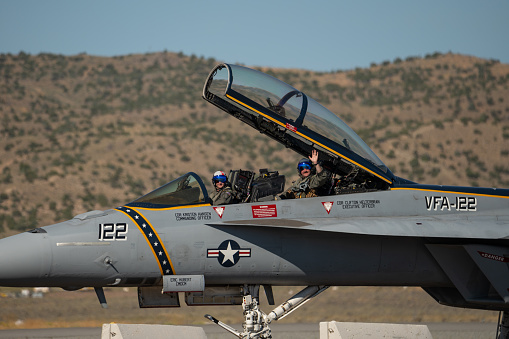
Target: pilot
{"x":312,"y":178}
{"x":223,"y":194}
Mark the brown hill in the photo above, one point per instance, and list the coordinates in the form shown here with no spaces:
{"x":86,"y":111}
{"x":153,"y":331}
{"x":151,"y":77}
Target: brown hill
{"x":80,"y":133}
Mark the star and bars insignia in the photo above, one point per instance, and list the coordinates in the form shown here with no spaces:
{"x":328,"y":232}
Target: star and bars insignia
{"x":228,"y":253}
{"x":152,"y":239}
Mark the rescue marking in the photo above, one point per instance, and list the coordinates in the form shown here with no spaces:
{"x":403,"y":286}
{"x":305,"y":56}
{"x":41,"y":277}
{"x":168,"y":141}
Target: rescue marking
{"x":219,"y":211}
{"x":291,"y":127}
{"x":152,"y":239}
{"x":328,"y":205}
{"x":228,"y":253}
{"x":264,"y":211}
{"x":493,"y":256}
{"x":441,"y":203}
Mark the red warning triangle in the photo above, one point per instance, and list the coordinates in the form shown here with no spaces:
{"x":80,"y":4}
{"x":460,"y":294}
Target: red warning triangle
{"x":328,"y":205}
{"x":219,"y":211}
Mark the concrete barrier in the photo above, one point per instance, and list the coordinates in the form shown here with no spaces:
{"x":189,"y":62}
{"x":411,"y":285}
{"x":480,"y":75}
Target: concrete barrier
{"x":339,"y":330}
{"x":136,"y":331}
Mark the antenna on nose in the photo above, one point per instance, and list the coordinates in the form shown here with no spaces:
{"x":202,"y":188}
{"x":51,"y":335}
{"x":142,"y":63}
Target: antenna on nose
{"x":100,"y":295}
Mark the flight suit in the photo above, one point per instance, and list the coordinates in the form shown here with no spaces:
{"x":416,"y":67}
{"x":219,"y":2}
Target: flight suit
{"x":307,"y":187}
{"x":223,"y":196}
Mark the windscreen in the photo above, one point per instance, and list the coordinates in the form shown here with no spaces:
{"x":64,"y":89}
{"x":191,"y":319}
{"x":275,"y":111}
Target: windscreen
{"x":185,"y":190}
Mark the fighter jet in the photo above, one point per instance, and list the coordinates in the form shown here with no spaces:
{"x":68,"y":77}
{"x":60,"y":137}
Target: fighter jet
{"x":368,"y":227}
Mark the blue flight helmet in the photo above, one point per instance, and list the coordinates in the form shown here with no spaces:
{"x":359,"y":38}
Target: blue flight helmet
{"x":304,"y":163}
{"x":219,"y":176}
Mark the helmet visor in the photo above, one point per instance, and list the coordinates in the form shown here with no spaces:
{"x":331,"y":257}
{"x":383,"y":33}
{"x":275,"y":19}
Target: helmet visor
{"x":219,"y":178}
{"x":304,"y":165}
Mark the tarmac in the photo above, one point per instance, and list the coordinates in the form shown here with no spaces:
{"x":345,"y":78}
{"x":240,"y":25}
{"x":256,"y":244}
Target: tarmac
{"x":279,"y":331}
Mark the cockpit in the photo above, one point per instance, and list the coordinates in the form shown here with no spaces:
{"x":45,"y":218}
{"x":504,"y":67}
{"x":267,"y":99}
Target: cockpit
{"x":189,"y":189}
{"x":298,"y":122}
{"x":290,"y":117}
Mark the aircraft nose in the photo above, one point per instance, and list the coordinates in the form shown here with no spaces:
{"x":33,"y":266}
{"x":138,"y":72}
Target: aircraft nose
{"x":25,"y":259}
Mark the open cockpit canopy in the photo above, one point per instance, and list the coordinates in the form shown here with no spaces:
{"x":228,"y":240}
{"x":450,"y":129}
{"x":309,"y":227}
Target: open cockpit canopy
{"x":295,"y":120}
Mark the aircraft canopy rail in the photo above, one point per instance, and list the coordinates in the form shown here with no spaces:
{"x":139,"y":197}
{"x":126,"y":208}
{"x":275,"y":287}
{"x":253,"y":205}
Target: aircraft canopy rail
{"x":292,"y":118}
{"x":185,"y":190}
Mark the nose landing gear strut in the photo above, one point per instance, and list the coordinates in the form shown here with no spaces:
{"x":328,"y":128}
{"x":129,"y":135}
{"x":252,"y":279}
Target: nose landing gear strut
{"x":256,"y":322}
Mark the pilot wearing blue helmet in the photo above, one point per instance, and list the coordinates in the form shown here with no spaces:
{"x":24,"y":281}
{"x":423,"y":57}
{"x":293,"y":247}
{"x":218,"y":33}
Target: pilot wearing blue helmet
{"x":312,"y":177}
{"x":223,"y":194}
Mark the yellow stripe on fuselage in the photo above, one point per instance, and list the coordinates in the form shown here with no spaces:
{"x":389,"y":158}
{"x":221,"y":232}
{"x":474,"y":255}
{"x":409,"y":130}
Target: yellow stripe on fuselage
{"x":170,"y":208}
{"x":451,"y":192}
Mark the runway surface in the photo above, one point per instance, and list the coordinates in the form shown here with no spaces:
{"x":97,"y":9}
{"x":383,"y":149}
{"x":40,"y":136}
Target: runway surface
{"x":279,"y":331}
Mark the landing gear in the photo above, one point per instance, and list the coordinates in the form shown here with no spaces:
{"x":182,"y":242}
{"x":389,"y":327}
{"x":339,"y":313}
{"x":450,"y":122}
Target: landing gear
{"x":503,"y":326}
{"x":256,"y":323}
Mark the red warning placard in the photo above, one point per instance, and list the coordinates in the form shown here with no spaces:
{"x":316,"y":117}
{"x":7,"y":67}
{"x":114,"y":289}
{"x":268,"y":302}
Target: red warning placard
{"x":291,"y":127}
{"x":264,"y":211}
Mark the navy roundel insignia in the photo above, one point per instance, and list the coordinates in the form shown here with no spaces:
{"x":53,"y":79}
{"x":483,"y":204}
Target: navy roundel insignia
{"x":228,"y":253}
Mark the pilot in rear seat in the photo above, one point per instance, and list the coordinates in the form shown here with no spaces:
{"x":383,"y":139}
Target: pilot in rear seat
{"x":312,"y":178}
{"x":223,"y":194}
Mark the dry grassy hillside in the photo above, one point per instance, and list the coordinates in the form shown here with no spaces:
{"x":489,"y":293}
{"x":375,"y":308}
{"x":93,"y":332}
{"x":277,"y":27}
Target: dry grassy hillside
{"x":80,"y":133}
